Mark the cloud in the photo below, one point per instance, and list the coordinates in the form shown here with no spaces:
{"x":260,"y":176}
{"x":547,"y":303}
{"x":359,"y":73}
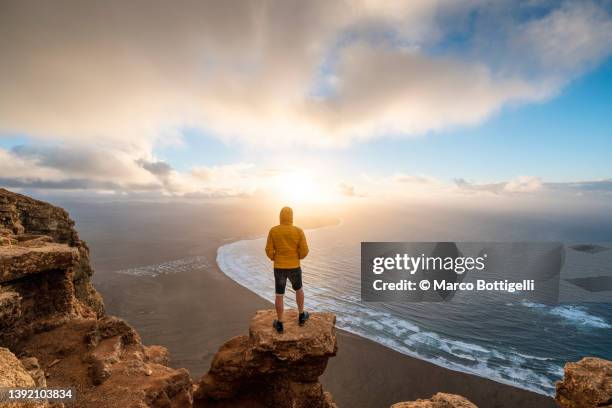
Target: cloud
{"x":98,"y":87}
{"x":412,"y":179}
{"x":521,"y":184}
{"x":307,"y":72}
{"x":532,"y":184}
{"x":404,"y":91}
{"x":64,"y":184}
{"x":464,"y":185}
{"x":349,"y":190}
{"x":82,"y":167}
{"x":52,"y":163}
{"x":232,"y":179}
{"x":593,"y":186}
{"x":566,"y":41}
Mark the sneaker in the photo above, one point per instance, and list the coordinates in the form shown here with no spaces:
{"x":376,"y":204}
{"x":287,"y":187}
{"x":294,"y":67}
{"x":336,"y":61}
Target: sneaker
{"x":302,"y":318}
{"x":278,"y":326}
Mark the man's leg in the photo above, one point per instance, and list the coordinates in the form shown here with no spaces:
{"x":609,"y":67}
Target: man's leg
{"x":280,"y":281}
{"x":296,"y":283}
{"x":299,"y":299}
{"x":279,"y":305}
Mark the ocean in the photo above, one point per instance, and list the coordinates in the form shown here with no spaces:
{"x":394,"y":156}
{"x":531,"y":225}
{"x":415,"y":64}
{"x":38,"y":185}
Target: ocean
{"x":511,"y":340}
{"x":515,"y":341}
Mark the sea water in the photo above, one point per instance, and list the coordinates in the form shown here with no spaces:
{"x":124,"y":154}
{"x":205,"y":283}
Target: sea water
{"x":516,"y":342}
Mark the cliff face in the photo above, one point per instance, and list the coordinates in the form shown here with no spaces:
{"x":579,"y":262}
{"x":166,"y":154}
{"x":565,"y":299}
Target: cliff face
{"x":53,"y":319}
{"x":270,"y":369}
{"x":31,"y":223}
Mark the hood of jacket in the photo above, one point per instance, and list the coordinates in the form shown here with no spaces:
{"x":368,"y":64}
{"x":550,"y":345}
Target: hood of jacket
{"x":286,"y":216}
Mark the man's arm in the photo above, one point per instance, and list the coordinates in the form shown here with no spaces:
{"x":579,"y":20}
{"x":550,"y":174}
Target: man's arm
{"x":270,"y":246}
{"x":302,"y":245}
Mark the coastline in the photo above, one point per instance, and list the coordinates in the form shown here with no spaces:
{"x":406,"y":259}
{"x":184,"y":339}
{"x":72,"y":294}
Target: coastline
{"x":193,"y":313}
{"x":390,"y":376}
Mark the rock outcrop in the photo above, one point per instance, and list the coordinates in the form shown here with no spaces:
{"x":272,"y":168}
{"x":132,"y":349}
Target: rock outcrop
{"x":266,"y":368}
{"x":107,"y":364}
{"x":13,"y":374}
{"x":36,"y":290}
{"x":586,"y":384}
{"x":53,"y":319}
{"x":439,"y":400}
{"x":29,"y":222}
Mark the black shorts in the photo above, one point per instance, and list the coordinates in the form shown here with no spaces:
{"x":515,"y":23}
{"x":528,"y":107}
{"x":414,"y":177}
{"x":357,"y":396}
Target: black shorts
{"x":280,"y":279}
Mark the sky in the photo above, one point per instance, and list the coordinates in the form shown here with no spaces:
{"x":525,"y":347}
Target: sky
{"x":317,"y":100}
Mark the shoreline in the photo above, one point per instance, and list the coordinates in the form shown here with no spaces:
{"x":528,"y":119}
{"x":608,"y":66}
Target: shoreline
{"x":193,"y":313}
{"x":392,"y":376}
{"x":219,"y":261}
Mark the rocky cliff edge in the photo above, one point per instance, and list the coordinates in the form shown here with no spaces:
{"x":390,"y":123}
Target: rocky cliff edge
{"x":53,"y":328}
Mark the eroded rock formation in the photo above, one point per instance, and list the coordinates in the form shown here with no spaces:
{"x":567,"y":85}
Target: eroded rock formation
{"x":30,"y":222}
{"x":53,"y":319}
{"x":439,"y":400}
{"x":586,"y":384}
{"x":270,"y":369}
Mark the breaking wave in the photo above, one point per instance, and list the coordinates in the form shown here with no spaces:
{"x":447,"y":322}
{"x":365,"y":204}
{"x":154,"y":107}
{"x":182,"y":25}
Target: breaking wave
{"x":166,"y":268}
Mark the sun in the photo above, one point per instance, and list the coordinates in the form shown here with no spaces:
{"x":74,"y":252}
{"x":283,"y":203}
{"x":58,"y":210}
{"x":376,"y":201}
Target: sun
{"x":300,"y":187}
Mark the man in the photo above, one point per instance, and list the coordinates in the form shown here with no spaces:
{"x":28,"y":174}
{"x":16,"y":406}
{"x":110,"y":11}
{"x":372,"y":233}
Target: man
{"x":286,"y":246}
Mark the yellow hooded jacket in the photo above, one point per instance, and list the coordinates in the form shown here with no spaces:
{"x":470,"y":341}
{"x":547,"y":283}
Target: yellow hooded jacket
{"x":286,"y":243}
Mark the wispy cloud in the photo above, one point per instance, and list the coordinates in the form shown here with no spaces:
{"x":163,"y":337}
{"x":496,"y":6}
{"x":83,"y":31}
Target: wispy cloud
{"x":349,"y":190}
{"x":69,"y":167}
{"x":521,"y":184}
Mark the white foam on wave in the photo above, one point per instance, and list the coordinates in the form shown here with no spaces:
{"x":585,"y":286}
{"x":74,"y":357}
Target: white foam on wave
{"x":580,"y":315}
{"x":577,"y":315}
{"x":166,"y":268}
{"x":245,"y":263}
{"x":512,"y":375}
{"x":530,"y":357}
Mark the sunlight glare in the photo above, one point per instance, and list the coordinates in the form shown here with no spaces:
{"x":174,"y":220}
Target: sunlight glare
{"x":299,"y":187}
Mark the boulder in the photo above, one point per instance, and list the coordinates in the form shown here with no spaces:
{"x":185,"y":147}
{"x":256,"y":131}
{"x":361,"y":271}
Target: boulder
{"x":33,"y":368}
{"x":12,"y":371}
{"x":14,"y":375}
{"x":586,"y":384}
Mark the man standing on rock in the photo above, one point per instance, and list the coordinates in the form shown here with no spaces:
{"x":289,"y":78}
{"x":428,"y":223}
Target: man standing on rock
{"x":286,"y":246}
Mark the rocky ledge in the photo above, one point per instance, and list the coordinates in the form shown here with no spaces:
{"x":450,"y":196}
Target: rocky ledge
{"x":53,"y":328}
{"x":440,"y":400}
{"x":265,"y":368}
{"x":586,"y":384}
{"x":28,"y":223}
